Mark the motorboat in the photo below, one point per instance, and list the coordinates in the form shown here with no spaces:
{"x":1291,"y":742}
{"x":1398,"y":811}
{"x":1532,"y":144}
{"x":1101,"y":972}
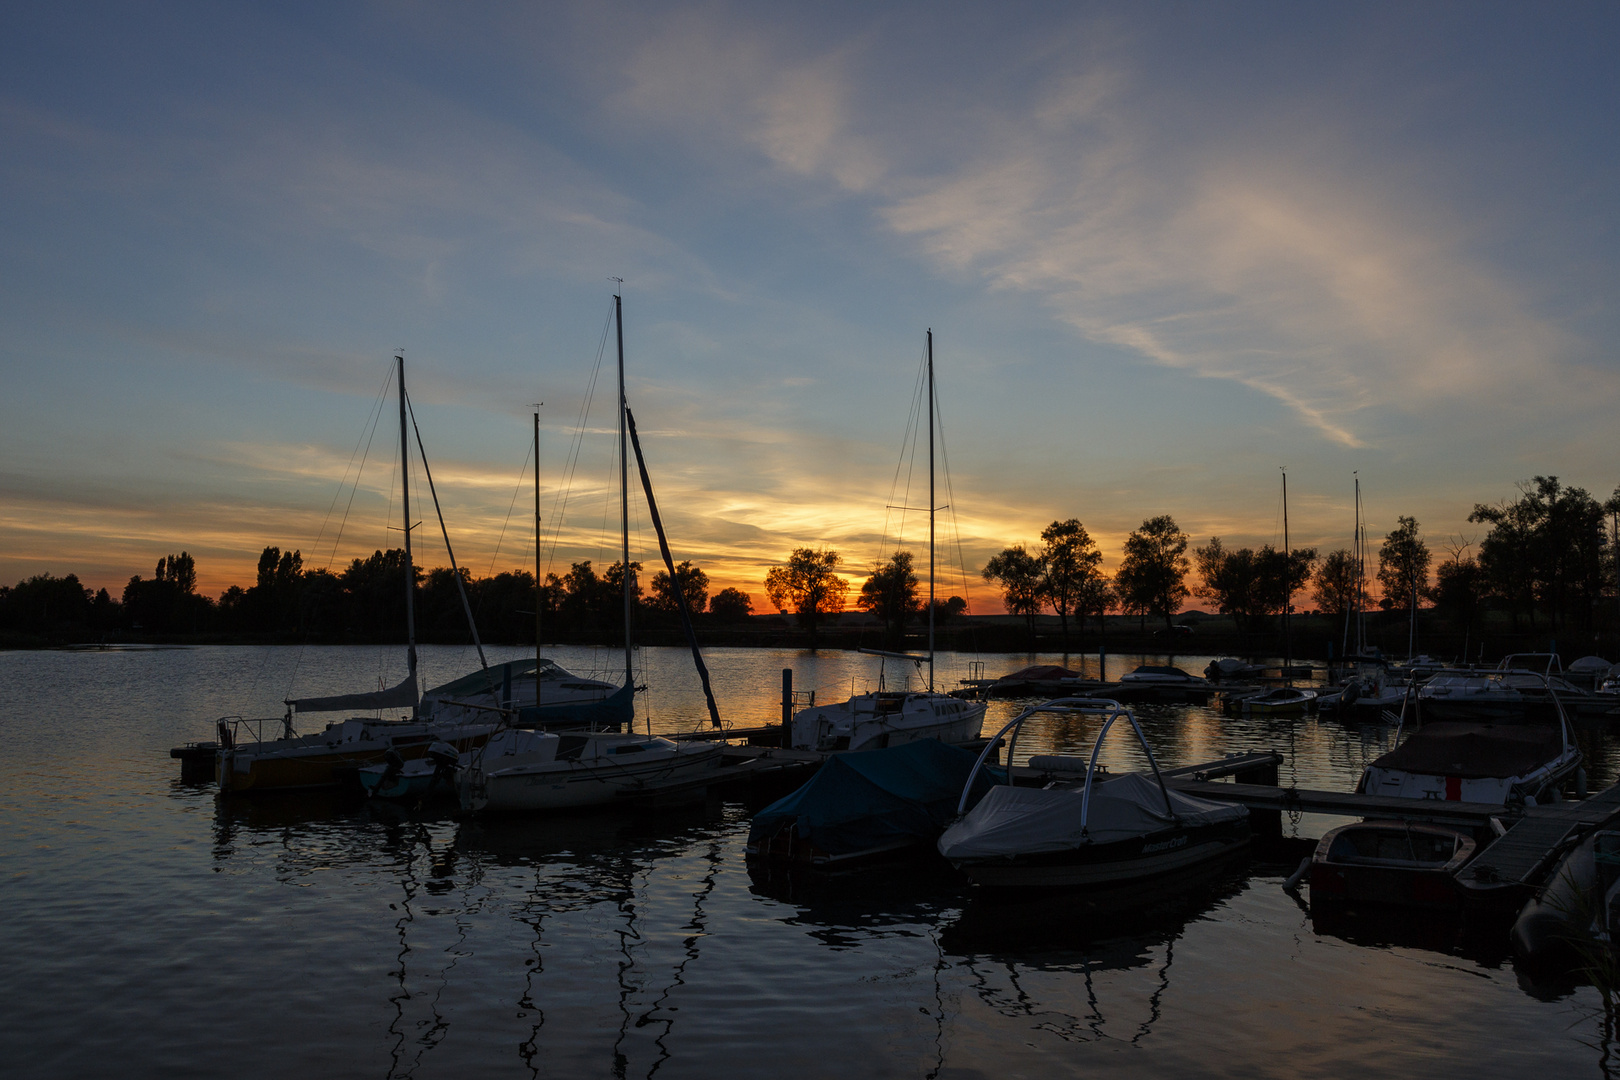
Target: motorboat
{"x":1281,"y":701}
{"x":1100,"y":830}
{"x":1159,"y":682}
{"x":1519,"y":757}
{"x":866,"y":804}
{"x":522,"y":769}
{"x":1228,"y":667}
{"x":1397,"y":863}
{"x":878,"y":719}
{"x":1588,"y":672}
{"x":1508,"y":691}
{"x":1044,"y":680}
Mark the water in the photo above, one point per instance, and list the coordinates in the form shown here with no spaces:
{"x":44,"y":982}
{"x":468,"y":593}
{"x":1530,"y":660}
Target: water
{"x":150,"y":930}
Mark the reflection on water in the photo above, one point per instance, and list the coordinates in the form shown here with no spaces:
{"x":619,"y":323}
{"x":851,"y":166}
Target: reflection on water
{"x":411,"y":942}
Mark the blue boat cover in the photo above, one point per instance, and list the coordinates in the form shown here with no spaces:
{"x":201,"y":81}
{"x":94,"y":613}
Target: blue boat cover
{"x":872,"y":798}
{"x":616,"y":709}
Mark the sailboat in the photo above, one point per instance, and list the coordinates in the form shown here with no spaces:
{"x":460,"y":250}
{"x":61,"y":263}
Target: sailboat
{"x":520,"y":769}
{"x":534,"y":692}
{"x":248,"y":760}
{"x":882,"y":718}
{"x":1286,"y":700}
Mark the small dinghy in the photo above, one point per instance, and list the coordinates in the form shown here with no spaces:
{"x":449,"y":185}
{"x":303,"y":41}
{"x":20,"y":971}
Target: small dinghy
{"x":397,"y":778}
{"x":1098,"y":831}
{"x":1283,"y":701}
{"x":1396,"y":863}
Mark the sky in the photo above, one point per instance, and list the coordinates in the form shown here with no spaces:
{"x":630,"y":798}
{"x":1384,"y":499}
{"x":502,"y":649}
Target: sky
{"x":1166,"y":250}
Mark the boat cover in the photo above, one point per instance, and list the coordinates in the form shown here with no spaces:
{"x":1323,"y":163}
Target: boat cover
{"x":402,"y":696}
{"x":873,"y":798}
{"x":1013,"y":821}
{"x":1458,"y":748}
{"x":1040,"y":673}
{"x":618,"y":707}
{"x":492,"y":678}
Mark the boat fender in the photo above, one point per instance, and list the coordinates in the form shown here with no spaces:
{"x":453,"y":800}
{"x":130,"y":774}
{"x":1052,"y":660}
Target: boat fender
{"x":1298,"y":875}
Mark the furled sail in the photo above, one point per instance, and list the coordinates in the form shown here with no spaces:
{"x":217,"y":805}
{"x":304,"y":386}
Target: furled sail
{"x":401,"y":696}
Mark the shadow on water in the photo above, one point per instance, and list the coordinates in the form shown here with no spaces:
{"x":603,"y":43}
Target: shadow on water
{"x":844,"y":908}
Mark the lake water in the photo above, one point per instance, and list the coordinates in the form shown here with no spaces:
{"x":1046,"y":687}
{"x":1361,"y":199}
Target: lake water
{"x":151,"y":930}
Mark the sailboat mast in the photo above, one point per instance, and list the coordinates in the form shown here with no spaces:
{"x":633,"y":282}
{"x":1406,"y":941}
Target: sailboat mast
{"x":624,"y":491}
{"x":410,"y":569}
{"x":539,"y":587}
{"x":1288,"y":580}
{"x":930,"y":510}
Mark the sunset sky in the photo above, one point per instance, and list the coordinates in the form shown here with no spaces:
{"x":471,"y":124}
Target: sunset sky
{"x":1164,"y":248}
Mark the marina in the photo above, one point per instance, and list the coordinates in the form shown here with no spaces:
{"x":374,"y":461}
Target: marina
{"x":638,"y":941}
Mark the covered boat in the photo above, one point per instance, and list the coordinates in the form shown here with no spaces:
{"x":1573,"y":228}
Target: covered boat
{"x":864,"y":804}
{"x":1390,"y":862}
{"x":1574,"y":918}
{"x":1524,"y":757}
{"x":1281,"y":701}
{"x":1098,"y":831}
{"x":557,"y":699}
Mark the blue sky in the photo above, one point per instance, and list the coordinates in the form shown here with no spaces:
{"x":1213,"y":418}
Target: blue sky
{"x":1165,"y":249}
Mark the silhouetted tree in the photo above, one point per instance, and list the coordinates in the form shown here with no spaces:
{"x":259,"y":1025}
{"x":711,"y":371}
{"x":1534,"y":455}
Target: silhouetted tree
{"x":1251,"y":585}
{"x":1545,"y":549}
{"x":1021,"y":577}
{"x":1152,"y":574}
{"x":1072,"y":564}
{"x":1403,"y":565}
{"x":689,"y":579}
{"x":731,"y":605}
{"x":1336,"y":585}
{"x":890,"y":593}
{"x":809,"y":586}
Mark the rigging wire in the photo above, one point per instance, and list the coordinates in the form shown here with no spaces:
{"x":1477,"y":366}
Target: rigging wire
{"x":560,"y":500}
{"x":516,"y":491}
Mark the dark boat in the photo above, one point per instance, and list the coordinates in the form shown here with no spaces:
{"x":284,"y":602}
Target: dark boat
{"x":865,"y":804}
{"x":1572,"y":921}
{"x":1099,"y":831}
{"x":1393,"y":863}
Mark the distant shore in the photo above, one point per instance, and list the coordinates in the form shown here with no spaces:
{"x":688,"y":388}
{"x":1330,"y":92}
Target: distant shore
{"x":1314,"y":638}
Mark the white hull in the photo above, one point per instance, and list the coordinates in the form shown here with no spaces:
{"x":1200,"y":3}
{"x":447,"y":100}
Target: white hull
{"x":533,"y":778}
{"x":874,"y":721}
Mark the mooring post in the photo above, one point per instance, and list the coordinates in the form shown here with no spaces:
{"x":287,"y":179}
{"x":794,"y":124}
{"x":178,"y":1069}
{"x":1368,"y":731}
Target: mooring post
{"x":1266,"y":824}
{"x":1102,"y":663}
{"x":787,"y":708}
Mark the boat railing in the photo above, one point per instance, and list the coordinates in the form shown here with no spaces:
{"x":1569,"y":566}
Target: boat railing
{"x":1068,"y":706}
{"x":232,"y":729}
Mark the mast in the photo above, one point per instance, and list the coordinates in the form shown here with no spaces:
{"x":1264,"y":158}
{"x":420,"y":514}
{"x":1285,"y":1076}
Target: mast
{"x":624,"y":491}
{"x":1288,"y":584}
{"x":410,"y":569}
{"x":930,"y":510}
{"x":539,"y":588}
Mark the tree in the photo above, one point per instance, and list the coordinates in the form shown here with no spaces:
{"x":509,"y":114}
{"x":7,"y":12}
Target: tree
{"x":693,"y":582}
{"x":948,"y":609}
{"x":731,"y":605}
{"x":809,"y":586}
{"x":1250,"y":585}
{"x":1545,"y":549}
{"x":1152,"y":574}
{"x":1459,"y":586}
{"x":1022,"y":577}
{"x":1096,"y":597}
{"x":1403,"y":564}
{"x":1337,"y":583}
{"x":890,"y":593}
{"x":1072,"y":564}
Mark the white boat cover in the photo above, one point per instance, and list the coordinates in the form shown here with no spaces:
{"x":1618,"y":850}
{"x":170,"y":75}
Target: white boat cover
{"x":1026,"y":821}
{"x":401,"y":696}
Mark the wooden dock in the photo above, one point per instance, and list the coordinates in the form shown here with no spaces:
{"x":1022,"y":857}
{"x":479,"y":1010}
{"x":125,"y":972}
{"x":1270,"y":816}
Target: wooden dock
{"x":1523,"y":856}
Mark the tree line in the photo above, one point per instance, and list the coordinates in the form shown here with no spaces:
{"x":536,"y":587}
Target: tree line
{"x":1546,"y":553}
{"x":363,"y":602}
